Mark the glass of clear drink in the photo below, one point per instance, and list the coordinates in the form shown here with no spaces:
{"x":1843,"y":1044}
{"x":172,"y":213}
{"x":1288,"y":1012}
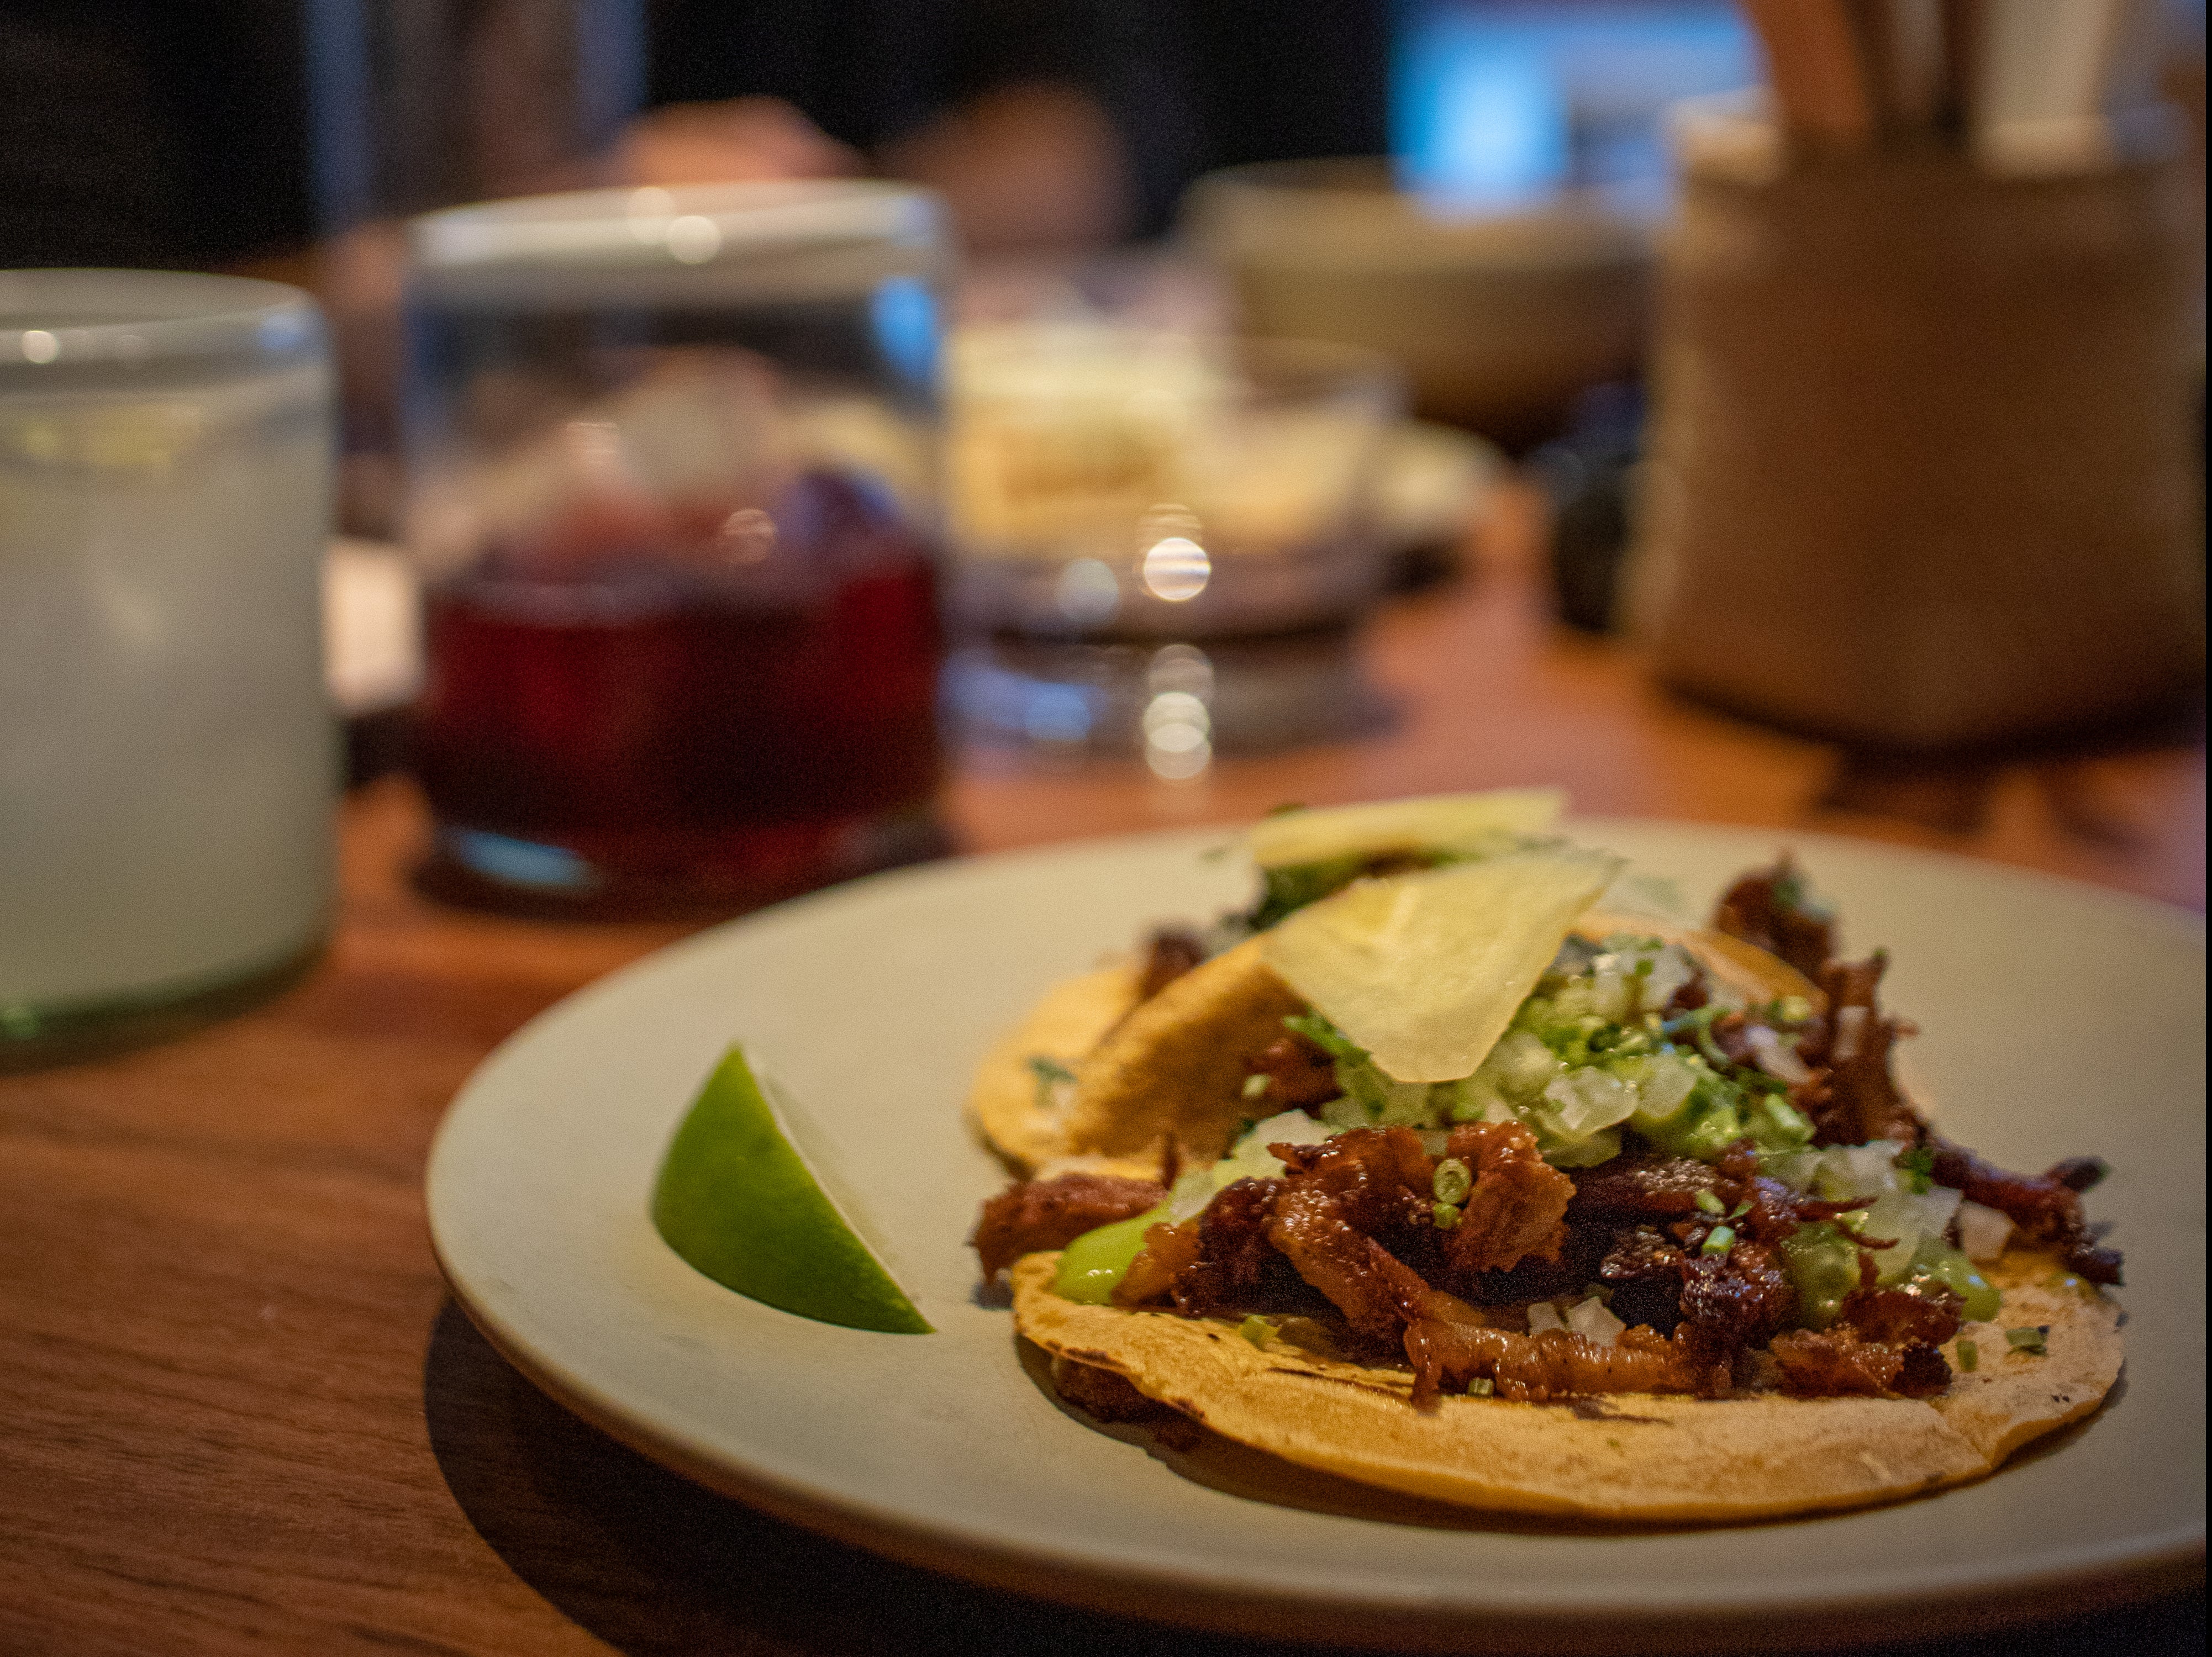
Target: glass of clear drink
{"x":169,"y":763}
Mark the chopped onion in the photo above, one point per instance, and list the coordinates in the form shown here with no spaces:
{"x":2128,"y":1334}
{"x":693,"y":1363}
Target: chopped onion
{"x":1662,"y":1088}
{"x":1906,"y":1217}
{"x":1520,"y":1064}
{"x":1848,"y":1173}
{"x":1544,"y":1315}
{"x":1671,"y":969}
{"x":1776,"y":1057}
{"x":1592,"y":1320}
{"x":1983,"y":1232}
{"x":1249,"y":1158}
{"x":1851,"y":1025}
{"x":1588,"y":1099}
{"x":1610,"y":997}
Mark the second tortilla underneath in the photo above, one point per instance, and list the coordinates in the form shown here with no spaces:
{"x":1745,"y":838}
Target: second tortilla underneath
{"x":1622,"y":1456}
{"x":1015,"y":1108}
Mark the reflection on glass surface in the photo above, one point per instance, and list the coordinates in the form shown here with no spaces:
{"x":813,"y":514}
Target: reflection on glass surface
{"x":1175,"y":568}
{"x":1180,"y":667}
{"x":1056,"y":713}
{"x":1173,"y":707}
{"x":1086,"y":592}
{"x":1177,"y":740}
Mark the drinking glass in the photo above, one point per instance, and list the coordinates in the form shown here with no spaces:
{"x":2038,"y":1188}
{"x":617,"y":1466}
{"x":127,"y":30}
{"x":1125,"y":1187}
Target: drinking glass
{"x":672,"y":500}
{"x":1116,"y":483}
{"x":169,"y":765}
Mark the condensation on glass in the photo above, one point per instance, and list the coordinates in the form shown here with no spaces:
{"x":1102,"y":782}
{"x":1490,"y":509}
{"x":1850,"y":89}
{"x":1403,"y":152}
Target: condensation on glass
{"x":166,"y":781}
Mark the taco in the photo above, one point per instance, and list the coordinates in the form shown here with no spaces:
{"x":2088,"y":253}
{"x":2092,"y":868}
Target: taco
{"x":1547,"y":1208}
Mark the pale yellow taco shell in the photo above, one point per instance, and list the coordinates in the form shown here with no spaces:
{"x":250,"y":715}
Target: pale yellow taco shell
{"x":1173,"y":1065}
{"x":1176,"y":1067}
{"x":1623,"y":1456}
{"x":1019,"y":1118}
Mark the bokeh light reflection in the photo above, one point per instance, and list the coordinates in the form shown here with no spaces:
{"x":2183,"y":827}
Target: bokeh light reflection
{"x":1175,"y":568}
{"x":1178,"y":726}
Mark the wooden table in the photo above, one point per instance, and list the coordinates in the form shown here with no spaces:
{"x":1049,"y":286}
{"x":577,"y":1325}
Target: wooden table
{"x":238,"y":1412}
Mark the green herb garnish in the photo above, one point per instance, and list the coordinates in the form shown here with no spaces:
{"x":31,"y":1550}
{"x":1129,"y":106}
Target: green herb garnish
{"x":1050,"y":1073}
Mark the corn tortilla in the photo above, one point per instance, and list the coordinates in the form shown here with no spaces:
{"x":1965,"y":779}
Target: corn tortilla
{"x":1173,"y":1065}
{"x":1016,"y":1116}
{"x":1618,"y":1456}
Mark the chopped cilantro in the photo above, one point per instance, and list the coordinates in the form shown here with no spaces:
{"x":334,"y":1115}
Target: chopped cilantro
{"x":1050,"y":1073}
{"x":1918,"y":1167}
{"x":1326,"y":1036}
{"x":2028,"y":1340}
{"x":1293,"y":886}
{"x":1970,"y":1357}
{"x":1697,"y":1025}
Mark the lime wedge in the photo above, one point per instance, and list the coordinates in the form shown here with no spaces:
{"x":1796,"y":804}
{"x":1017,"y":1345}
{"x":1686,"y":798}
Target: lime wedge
{"x":734,"y":1200}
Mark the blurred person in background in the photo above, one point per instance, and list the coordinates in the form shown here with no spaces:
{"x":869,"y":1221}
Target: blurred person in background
{"x":1045,"y":124}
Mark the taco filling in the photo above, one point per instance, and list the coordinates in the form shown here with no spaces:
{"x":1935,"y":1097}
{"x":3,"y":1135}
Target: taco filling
{"x":1420,"y":1114}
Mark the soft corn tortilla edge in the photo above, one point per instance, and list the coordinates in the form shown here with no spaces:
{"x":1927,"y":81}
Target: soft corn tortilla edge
{"x":1176,"y":1067}
{"x":1628,"y":1457}
{"x":1005,"y":1102}
{"x":1148,"y":1068}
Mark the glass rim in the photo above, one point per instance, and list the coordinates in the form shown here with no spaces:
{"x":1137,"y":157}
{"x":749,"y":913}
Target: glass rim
{"x":1257,"y":362}
{"x":658,"y":227}
{"x":136,"y":318}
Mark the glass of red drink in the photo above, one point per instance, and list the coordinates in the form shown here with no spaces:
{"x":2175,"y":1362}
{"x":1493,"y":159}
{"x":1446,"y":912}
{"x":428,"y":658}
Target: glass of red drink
{"x":670,"y":457}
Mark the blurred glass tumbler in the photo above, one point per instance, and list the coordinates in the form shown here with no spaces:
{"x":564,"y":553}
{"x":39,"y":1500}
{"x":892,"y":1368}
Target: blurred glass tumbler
{"x":1924,"y":471}
{"x":672,"y":496}
{"x":170,"y":759}
{"x":1117,"y":482}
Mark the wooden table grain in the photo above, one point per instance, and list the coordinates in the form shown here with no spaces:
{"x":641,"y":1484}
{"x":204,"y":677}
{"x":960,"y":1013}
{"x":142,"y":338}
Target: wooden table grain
{"x":239,"y":1414}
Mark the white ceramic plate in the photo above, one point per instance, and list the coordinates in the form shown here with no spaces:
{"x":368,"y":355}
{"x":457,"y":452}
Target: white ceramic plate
{"x":2059,"y":1019}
